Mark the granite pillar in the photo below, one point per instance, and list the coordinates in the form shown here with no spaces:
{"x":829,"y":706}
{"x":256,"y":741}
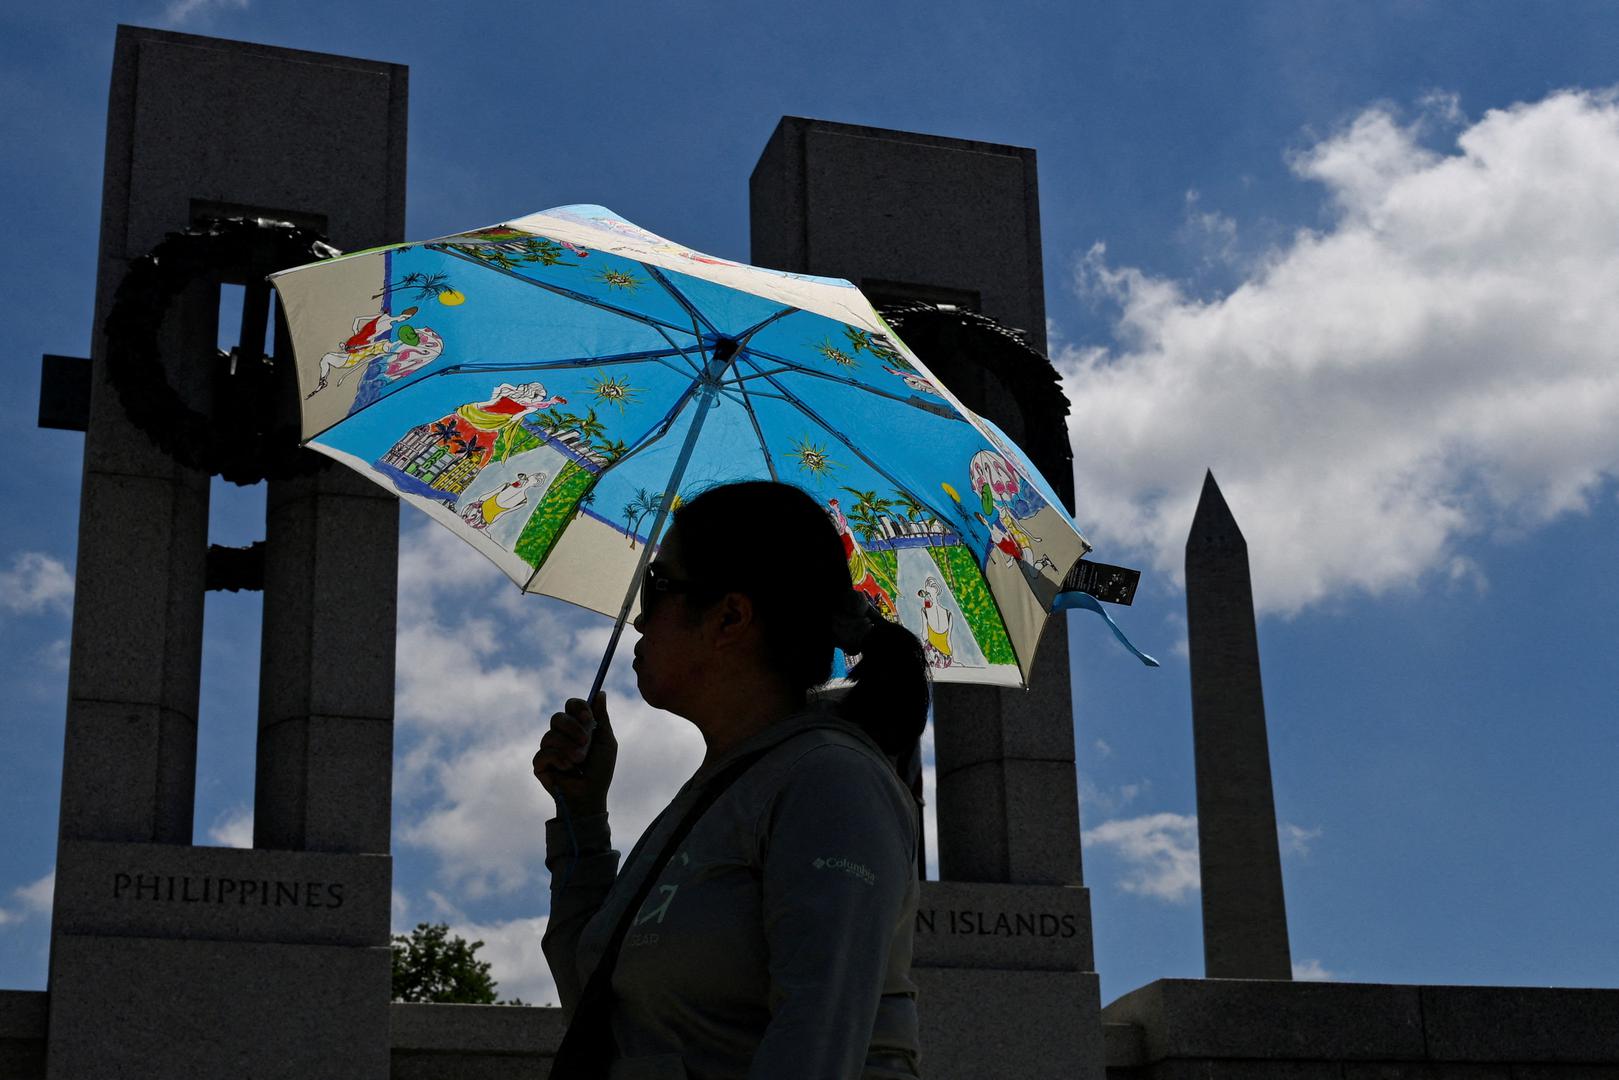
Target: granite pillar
{"x":169,"y":959}
{"x":911,"y":217}
{"x":325,"y":752}
{"x":1244,"y":913}
{"x":919,"y":217}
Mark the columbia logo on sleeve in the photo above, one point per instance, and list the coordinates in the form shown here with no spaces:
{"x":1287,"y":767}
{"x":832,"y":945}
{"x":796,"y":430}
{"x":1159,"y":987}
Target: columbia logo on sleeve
{"x":853,"y":869}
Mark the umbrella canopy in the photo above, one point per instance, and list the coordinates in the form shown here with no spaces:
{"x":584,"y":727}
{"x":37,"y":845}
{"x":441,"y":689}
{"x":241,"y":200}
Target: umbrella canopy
{"x":550,"y":387}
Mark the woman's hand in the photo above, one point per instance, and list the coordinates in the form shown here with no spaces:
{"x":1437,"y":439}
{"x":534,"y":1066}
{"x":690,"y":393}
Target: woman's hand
{"x":576,"y":757}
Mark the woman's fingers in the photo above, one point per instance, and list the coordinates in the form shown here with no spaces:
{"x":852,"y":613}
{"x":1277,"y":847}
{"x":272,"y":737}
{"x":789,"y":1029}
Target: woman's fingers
{"x":565,"y":746}
{"x":571,"y":727}
{"x":577,"y":753}
{"x":604,"y":725}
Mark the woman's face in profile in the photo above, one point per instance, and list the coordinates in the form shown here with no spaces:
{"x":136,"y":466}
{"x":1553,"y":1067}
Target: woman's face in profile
{"x":667,"y":656}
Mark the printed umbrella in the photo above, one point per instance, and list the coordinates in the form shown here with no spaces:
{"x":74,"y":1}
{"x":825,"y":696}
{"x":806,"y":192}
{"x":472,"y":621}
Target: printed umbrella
{"x":550,"y":388}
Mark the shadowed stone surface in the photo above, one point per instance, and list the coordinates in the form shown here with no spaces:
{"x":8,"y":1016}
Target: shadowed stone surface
{"x":1126,"y":1046}
{"x":325,"y":751}
{"x":1230,"y":1018}
{"x":1524,"y":1023}
{"x":1244,"y":912}
{"x":1022,"y":1023}
{"x":876,"y":205}
{"x":473,"y":1042}
{"x":1365,"y":1031}
{"x":217,"y":1009}
{"x":1247,"y":1070}
{"x":1405,"y":1070}
{"x":23,"y":1015}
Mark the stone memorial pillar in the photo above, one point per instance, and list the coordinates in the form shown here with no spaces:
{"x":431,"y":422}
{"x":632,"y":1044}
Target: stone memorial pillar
{"x":169,"y":959}
{"x":1003,"y":944}
{"x":1244,"y":913}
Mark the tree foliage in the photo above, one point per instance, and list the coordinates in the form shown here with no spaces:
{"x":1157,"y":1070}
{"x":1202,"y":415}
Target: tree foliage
{"x":431,"y":964}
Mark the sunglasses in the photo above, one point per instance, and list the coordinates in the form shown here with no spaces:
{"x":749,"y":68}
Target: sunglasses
{"x":655,"y":583}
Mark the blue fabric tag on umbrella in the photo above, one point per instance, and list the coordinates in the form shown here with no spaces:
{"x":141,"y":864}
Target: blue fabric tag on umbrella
{"x":1090,"y":603}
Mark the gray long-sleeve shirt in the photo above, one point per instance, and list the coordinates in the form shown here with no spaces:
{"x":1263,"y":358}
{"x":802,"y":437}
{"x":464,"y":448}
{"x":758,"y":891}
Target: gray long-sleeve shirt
{"x":776,"y":943}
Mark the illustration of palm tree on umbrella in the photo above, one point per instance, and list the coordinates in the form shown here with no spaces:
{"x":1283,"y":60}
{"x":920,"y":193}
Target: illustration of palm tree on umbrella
{"x":645,"y":502}
{"x":914,"y":509}
{"x":867,"y":511}
{"x":612,"y":449}
{"x":549,"y":421}
{"x":512,"y":255}
{"x":589,"y":427}
{"x":861,"y":340}
{"x":425,"y":287}
{"x":467,"y":445}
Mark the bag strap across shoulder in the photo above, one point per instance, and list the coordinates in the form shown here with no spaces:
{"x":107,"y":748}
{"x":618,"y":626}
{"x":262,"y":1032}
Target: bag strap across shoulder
{"x":588,"y":1045}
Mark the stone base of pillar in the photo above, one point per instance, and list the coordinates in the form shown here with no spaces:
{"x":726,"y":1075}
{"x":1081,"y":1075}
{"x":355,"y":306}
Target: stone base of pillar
{"x":1006,"y":982}
{"x":169,"y":960}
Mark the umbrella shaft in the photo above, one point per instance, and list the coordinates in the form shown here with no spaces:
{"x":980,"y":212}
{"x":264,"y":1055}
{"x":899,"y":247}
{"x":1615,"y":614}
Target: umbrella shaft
{"x":707,"y":394}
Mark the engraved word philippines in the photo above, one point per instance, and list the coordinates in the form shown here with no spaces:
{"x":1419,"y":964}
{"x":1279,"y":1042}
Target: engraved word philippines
{"x":265,"y":892}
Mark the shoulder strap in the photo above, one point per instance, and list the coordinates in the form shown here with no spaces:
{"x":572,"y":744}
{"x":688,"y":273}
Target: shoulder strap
{"x":588,"y":1042}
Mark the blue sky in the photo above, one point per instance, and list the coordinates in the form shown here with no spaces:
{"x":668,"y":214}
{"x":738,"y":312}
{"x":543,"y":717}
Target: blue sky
{"x":1357,"y":258}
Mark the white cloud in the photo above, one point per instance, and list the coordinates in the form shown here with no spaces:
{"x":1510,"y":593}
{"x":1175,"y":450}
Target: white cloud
{"x":36,"y":583}
{"x":1159,"y":850}
{"x":37,"y":896}
{"x":1296,"y":839}
{"x":1108,"y":801}
{"x":481,"y":670}
{"x":233,"y":827}
{"x":512,"y":950}
{"x":53,"y":655}
{"x":180,"y":12}
{"x":1212,"y":234}
{"x":1312,"y":971}
{"x":1433,"y":368}
{"x":30,"y":900}
{"x":1102,"y":748}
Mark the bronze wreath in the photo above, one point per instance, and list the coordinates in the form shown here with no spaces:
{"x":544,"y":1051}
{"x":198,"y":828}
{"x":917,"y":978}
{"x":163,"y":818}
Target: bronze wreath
{"x":248,"y":445}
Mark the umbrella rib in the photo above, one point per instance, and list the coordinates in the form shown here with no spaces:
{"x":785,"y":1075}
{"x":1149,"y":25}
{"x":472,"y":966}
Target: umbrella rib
{"x":740,"y":379}
{"x":657,"y":431}
{"x":574,"y":362}
{"x":696,"y":369}
{"x":741,"y":397}
{"x":589,"y":301}
{"x":942,"y":411}
{"x":745,"y":335}
{"x":730,"y":393}
{"x":798,"y":403}
{"x":680,"y":298}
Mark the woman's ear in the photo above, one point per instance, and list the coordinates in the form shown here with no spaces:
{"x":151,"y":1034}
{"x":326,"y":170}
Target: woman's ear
{"x":733,"y":618}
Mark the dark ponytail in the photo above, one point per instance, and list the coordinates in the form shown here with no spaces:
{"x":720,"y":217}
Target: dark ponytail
{"x":889,"y":699}
{"x":800,"y":588}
